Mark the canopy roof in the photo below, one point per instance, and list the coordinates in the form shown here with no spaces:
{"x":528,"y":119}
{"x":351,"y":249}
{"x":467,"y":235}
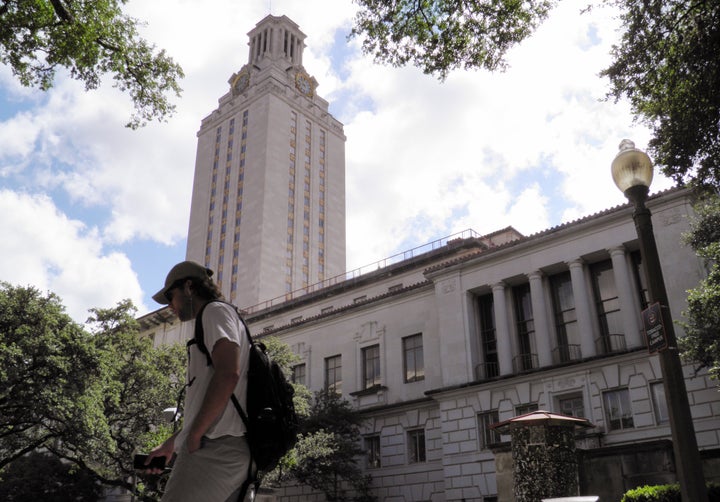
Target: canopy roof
{"x":541,"y":417}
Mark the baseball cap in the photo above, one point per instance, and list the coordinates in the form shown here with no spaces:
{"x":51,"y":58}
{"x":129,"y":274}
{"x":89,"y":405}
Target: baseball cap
{"x":181,"y":271}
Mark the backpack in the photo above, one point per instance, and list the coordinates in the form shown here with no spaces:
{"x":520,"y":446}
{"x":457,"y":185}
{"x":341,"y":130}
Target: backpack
{"x":271,"y":421}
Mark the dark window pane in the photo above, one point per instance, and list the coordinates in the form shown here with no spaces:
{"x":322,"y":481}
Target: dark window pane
{"x":371,"y":366}
{"x":414,"y":366}
{"x":488,"y":337}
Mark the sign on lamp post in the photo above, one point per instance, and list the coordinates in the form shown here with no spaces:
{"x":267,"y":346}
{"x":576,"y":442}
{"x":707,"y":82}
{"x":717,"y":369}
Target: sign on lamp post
{"x":654,"y":328}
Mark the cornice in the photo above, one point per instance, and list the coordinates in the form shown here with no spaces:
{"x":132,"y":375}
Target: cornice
{"x":620,"y":211}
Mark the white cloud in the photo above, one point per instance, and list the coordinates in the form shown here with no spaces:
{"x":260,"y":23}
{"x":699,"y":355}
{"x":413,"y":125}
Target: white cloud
{"x":524,"y":147}
{"x":17,"y":140}
{"x":530,"y":147}
{"x":47,"y":250}
{"x":144,"y":177}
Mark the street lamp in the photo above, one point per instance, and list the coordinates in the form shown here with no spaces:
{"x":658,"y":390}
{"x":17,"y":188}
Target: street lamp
{"x":632,"y":172}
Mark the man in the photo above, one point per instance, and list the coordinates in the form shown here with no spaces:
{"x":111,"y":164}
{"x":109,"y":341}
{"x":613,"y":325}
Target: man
{"x":212,"y":453}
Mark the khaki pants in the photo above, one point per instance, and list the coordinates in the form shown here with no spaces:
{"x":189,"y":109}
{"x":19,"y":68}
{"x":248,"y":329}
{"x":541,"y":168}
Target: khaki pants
{"x":214,"y":473}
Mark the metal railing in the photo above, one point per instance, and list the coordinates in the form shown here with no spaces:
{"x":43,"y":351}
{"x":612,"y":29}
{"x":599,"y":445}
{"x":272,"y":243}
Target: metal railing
{"x":483,"y":371}
{"x":525,"y":362}
{"x":366,"y":269}
{"x":566,"y":353}
{"x":608,"y":344}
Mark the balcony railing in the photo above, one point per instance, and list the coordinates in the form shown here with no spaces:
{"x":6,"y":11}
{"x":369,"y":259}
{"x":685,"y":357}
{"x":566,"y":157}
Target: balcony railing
{"x":483,"y":371}
{"x":525,"y":362}
{"x":608,"y":344}
{"x":352,"y":274}
{"x":566,"y":353}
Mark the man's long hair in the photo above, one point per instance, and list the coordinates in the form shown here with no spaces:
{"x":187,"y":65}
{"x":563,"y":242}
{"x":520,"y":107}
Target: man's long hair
{"x":206,"y":289}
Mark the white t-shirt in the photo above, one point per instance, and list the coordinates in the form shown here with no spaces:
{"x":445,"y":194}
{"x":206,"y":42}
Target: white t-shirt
{"x":219,"y":321}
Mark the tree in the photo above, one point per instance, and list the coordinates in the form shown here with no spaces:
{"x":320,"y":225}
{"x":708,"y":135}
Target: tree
{"x":47,"y":363}
{"x":90,"y":39}
{"x":286,"y":359}
{"x":281,"y":354}
{"x":666,"y":63}
{"x":442,"y":35}
{"x":701,"y":342}
{"x":40,"y":476}
{"x":667,"y":66}
{"x":328,"y":450}
{"x":91,"y":399}
{"x":135,"y":383}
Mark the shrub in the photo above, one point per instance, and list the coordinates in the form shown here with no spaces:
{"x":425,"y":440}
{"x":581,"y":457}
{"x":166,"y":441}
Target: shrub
{"x":658,"y":493}
{"x":666,"y":493}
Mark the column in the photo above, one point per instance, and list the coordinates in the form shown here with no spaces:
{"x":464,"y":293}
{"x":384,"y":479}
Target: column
{"x":455,"y":354}
{"x":628,"y":301}
{"x":502,"y":330}
{"x":542,"y":332}
{"x":582,"y":308}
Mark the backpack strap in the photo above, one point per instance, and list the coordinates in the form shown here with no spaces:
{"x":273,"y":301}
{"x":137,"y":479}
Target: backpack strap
{"x":199,"y":334}
{"x":199,"y":340}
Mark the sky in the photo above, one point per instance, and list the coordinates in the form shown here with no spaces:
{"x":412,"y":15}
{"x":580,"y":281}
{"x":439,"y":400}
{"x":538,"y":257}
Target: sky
{"x":98,"y":213}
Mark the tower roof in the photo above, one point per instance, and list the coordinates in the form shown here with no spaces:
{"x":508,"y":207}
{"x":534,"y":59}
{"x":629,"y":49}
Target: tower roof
{"x":275,"y":39}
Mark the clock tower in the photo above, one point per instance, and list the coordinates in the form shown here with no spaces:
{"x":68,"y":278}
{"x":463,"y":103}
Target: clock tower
{"x":268,"y":203}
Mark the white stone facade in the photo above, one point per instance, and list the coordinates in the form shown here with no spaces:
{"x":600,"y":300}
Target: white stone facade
{"x":459,"y":381}
{"x":434,"y":346}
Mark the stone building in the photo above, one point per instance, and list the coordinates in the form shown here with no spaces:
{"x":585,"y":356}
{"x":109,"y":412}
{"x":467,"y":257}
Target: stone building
{"x":469,"y":331}
{"x":436,"y":344}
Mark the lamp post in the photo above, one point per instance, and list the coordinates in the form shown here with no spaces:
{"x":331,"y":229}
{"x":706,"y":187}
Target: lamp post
{"x":632,"y":172}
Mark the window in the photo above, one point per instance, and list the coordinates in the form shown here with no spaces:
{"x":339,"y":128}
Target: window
{"x":617,"y":410}
{"x":488,"y":339}
{"x":416,"y":446}
{"x":568,"y":338}
{"x":298,"y":374}
{"x":372,"y":448}
{"x":524,"y":409}
{"x":333,"y":373}
{"x":657,"y":390}
{"x":486,"y":435}
{"x":371,"y":366}
{"x":608,"y":308}
{"x":525,"y":328}
{"x":572,"y":405}
{"x":413,"y":363}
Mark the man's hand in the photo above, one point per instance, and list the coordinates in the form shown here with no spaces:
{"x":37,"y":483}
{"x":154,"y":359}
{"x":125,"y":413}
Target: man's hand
{"x":164,"y":450}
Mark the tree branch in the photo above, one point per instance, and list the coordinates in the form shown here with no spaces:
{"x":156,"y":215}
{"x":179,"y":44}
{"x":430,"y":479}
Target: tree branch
{"x":690,"y":8}
{"x":61,"y":11}
{"x":32,"y":446}
{"x":103,"y":479}
{"x":104,"y":44}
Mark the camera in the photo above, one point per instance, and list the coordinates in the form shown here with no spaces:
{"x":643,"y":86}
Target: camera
{"x":140,"y":459}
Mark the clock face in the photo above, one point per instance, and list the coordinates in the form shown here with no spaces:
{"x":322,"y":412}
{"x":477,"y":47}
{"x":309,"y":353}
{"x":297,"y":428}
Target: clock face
{"x":303,"y":84}
{"x":241,"y":82}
